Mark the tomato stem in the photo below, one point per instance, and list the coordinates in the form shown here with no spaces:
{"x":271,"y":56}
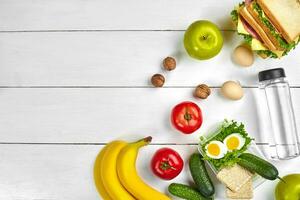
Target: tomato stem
{"x":166,"y":165}
{"x":187,"y":116}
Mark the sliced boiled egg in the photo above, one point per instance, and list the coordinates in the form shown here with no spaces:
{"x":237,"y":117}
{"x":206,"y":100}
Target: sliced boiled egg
{"x":234,"y":141}
{"x":215,"y":149}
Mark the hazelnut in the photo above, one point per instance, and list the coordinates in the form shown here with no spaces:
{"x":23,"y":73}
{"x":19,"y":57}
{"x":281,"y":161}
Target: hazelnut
{"x":157,"y":80}
{"x":202,"y":91}
{"x":169,"y":63}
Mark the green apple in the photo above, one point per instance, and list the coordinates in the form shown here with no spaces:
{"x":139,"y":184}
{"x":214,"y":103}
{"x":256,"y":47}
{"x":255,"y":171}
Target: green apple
{"x":203,"y":40}
{"x":289,"y":188}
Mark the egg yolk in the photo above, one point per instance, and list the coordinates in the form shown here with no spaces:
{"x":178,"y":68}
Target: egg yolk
{"x":232,"y":143}
{"x":214,"y":149}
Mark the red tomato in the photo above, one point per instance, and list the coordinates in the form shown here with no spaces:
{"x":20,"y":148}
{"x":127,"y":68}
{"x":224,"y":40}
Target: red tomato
{"x":186,"y":117}
{"x":166,"y":163}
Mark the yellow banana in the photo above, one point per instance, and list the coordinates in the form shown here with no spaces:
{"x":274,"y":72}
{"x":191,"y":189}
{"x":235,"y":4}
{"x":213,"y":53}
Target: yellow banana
{"x":126,"y":167}
{"x":97,"y":175}
{"x":109,"y":174}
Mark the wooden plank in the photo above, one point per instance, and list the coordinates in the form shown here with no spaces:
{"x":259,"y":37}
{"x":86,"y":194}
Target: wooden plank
{"x":18,"y":15}
{"x":121,"y":59}
{"x":98,"y":115}
{"x":55,"y":172}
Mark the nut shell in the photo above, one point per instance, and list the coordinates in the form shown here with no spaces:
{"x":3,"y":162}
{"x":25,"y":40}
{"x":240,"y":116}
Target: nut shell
{"x":202,"y":91}
{"x":157,"y":80}
{"x":169,"y":63}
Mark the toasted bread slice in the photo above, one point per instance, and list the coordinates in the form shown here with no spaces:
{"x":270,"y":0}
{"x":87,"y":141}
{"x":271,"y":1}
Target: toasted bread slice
{"x":255,"y":16}
{"x":259,"y":30}
{"x":285,"y":15}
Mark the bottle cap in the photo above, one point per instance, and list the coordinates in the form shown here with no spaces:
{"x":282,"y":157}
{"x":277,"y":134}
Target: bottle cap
{"x":271,"y":74}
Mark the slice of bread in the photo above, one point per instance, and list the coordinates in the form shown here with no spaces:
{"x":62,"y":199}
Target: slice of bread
{"x":245,"y":192}
{"x":234,"y":177}
{"x":285,"y":15}
{"x":255,"y":15}
{"x":259,"y":30}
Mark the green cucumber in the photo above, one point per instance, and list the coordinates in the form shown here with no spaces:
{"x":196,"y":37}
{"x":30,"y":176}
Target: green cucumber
{"x":185,"y":192}
{"x":258,"y":165}
{"x":200,"y":175}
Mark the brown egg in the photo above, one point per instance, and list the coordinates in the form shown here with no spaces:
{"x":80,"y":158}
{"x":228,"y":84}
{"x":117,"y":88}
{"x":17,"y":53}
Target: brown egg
{"x":232,"y":90}
{"x":243,"y":56}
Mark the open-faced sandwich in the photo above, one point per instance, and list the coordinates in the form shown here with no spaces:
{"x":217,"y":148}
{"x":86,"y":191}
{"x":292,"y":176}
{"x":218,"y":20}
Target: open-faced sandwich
{"x":270,"y":27}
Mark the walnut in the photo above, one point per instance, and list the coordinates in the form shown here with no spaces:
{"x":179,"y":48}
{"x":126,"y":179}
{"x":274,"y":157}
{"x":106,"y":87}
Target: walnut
{"x":157,"y":80}
{"x":202,"y":91}
{"x":169,"y":63}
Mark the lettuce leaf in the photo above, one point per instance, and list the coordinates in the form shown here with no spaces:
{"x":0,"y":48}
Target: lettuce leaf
{"x":268,"y":53}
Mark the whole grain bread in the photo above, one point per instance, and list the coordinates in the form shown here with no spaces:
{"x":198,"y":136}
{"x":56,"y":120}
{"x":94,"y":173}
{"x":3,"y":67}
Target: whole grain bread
{"x":234,"y":177}
{"x":245,"y":192}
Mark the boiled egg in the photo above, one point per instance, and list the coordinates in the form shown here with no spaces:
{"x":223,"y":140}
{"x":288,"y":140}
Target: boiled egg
{"x":215,"y":149}
{"x":234,"y":141}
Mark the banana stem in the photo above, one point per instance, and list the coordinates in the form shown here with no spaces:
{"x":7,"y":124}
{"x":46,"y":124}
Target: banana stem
{"x":143,"y":142}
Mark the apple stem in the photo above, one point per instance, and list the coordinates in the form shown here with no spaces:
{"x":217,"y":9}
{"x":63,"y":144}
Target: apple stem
{"x":280,"y":179}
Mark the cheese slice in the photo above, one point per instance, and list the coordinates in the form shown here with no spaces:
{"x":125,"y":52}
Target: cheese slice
{"x":240,"y":27}
{"x":256,"y":45}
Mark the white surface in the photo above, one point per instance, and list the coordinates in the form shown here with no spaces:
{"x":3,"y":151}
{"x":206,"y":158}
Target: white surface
{"x":98,"y":115}
{"x":75,"y":75}
{"x":121,"y":58}
{"x":111,"y":14}
{"x":65,"y":172}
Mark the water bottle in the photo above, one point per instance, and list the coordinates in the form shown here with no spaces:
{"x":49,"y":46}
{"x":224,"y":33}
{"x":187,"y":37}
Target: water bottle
{"x":284,"y":141}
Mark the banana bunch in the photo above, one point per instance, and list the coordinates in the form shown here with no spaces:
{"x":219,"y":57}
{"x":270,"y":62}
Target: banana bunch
{"x":115,"y":173}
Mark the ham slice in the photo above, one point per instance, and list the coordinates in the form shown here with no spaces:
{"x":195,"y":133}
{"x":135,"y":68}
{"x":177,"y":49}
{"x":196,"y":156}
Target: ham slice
{"x":247,"y":2}
{"x":249,"y":29}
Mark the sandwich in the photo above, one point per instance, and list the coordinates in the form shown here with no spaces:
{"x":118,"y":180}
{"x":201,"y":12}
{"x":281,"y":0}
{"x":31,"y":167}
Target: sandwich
{"x":270,"y":27}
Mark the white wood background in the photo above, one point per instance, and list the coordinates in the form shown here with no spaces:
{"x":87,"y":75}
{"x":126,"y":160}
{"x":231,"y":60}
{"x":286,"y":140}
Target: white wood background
{"x":74,"y":75}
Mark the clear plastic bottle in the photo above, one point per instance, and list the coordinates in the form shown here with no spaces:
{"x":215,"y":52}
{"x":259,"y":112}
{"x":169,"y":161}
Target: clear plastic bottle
{"x":285,"y":143}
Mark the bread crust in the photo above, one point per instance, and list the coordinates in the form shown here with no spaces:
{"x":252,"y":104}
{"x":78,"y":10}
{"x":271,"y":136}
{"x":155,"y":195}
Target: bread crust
{"x":255,"y":15}
{"x":289,"y":38}
{"x":248,"y":17}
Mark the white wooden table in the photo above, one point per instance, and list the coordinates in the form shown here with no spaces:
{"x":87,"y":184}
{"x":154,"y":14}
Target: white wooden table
{"x":74,"y":75}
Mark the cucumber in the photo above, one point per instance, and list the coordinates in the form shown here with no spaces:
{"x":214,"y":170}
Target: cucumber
{"x":186,"y":192}
{"x":258,"y":165}
{"x":200,"y":175}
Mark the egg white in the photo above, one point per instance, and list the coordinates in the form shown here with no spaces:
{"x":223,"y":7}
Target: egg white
{"x":240,"y":138}
{"x":223,"y":150}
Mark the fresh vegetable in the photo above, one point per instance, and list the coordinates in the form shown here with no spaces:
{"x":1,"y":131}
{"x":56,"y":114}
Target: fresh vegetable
{"x":166,"y":163}
{"x":227,"y":128}
{"x":288,"y":188}
{"x":186,"y":192}
{"x":202,"y":91}
{"x":203,"y":40}
{"x":128,"y":175}
{"x":200,"y":175}
{"x":232,"y":90}
{"x":258,"y":165}
{"x":186,"y":117}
